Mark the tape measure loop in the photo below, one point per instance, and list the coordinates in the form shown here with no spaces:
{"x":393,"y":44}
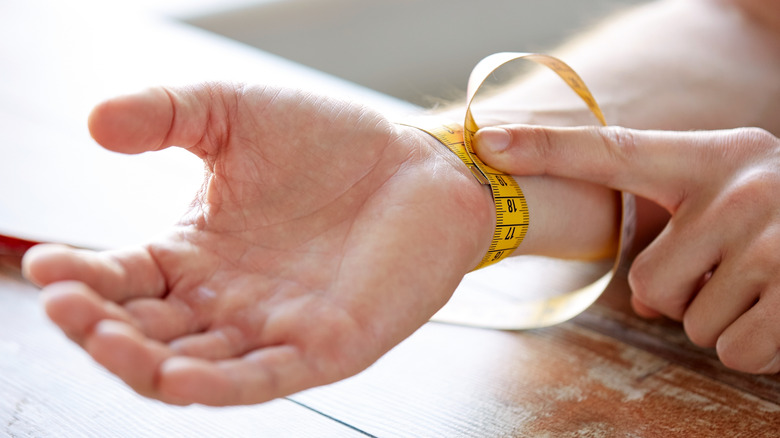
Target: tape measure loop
{"x":512,"y":215}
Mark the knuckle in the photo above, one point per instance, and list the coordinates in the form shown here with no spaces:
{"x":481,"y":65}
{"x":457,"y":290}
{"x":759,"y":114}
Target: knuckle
{"x":733,"y":355}
{"x":750,"y":143}
{"x":618,"y":144}
{"x":698,"y":332}
{"x":757,"y":137}
{"x":747,"y":206}
{"x":617,"y":140}
{"x":728,"y":357}
{"x":754,"y":185}
{"x":760,"y":256}
{"x":741,"y":350}
{"x":616,"y":137}
{"x":534,"y":151}
{"x":639,"y":277}
{"x":653,"y":289}
{"x":538,"y":140}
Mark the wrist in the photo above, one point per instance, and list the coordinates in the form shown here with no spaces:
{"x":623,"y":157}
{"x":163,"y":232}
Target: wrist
{"x":474,"y":212}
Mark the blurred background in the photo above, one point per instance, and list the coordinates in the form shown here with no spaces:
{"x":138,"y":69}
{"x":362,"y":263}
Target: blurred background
{"x":60,"y":58}
{"x":420,"y":51}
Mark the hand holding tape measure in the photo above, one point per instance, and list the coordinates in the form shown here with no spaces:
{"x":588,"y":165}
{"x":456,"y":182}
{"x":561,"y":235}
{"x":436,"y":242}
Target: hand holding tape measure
{"x":512,"y":215}
{"x":713,"y":267}
{"x":317,"y":221}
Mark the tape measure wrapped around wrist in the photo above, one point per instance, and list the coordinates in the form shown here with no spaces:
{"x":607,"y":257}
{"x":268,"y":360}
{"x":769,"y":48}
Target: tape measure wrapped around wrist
{"x":511,"y":208}
{"x":512,"y":215}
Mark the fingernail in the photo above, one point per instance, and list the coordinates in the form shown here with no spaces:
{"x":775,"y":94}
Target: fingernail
{"x":493,"y":139}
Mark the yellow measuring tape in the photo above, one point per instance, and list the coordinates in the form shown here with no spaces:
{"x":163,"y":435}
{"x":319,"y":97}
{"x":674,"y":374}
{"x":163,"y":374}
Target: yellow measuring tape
{"x":512,"y":217}
{"x":511,"y":207}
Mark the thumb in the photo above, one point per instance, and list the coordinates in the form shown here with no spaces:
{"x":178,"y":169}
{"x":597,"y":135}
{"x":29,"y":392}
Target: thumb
{"x":160,"y":117}
{"x":659,"y":165}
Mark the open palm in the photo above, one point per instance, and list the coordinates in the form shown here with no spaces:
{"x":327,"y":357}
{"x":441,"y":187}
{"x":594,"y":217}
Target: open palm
{"x":323,"y":236}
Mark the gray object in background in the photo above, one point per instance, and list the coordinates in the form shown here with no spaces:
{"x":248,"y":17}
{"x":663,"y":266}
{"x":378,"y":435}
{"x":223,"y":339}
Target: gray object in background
{"x":420,"y":51}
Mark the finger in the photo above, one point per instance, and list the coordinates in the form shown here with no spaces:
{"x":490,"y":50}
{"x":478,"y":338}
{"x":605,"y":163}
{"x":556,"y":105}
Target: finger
{"x":727,"y":294}
{"x":76,"y":309}
{"x":116,"y":275}
{"x":752,"y":343}
{"x":650,"y":222}
{"x":169,"y":318}
{"x":643,"y":309}
{"x":219,"y":343}
{"x":255,"y":378}
{"x":657,"y":165}
{"x":667,"y":274}
{"x":160,"y":117}
{"x":132,"y":357}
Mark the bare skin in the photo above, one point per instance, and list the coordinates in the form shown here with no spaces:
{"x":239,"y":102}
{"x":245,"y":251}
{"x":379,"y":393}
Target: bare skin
{"x":274,"y":281}
{"x":714,"y":265}
{"x":324,"y":236}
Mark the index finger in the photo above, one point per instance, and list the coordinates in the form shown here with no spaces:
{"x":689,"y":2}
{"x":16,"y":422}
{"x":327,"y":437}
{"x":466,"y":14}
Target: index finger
{"x":659,"y":165}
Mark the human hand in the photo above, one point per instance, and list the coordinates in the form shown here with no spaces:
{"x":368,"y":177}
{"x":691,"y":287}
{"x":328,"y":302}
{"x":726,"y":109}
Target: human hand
{"x":317,"y":243}
{"x":715,"y":265}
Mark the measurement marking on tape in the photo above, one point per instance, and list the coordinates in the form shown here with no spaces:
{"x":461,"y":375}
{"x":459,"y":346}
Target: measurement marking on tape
{"x":512,"y":220}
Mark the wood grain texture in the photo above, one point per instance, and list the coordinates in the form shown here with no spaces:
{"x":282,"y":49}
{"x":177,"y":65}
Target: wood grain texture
{"x":588,"y":377}
{"x":562,"y":381}
{"x":611,"y":315}
{"x":607,"y":373}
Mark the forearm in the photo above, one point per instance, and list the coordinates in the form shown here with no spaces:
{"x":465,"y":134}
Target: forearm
{"x":672,"y":64}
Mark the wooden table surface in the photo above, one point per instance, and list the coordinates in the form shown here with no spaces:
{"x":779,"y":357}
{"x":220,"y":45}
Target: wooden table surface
{"x":605,"y":373}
